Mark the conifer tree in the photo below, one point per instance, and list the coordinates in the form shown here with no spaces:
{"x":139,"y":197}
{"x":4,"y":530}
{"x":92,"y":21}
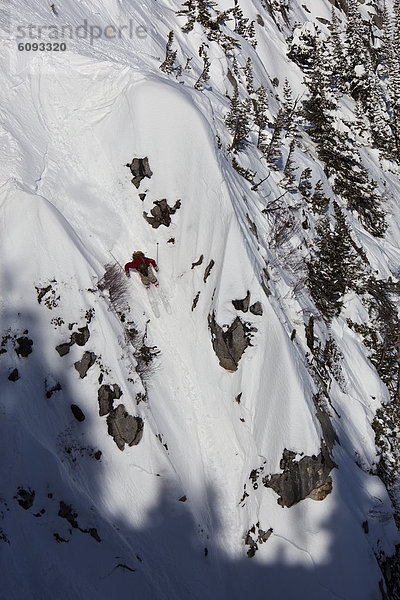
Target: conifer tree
{"x":248,"y":71}
{"x":356,"y":50}
{"x":241,"y":22}
{"x":204,"y":11}
{"x":335,"y":267}
{"x":170,"y":55}
{"x":190,"y":11}
{"x":341,"y":160}
{"x":305,"y":185}
{"x":391,"y":71}
{"x":289,"y":110}
{"x":339,"y":65}
{"x":289,"y":169}
{"x":273,"y":152}
{"x":260,"y":106}
{"x":319,"y":201}
{"x":237,"y":120}
{"x":251,"y":34}
{"x":352,"y":182}
{"x":205,"y":74}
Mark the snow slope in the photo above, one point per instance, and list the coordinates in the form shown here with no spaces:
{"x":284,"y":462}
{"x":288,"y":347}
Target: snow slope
{"x":70,"y":123}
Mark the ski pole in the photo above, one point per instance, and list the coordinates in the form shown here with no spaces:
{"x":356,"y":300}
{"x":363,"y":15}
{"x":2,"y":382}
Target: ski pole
{"x":157,"y":254}
{"x":117,"y":261}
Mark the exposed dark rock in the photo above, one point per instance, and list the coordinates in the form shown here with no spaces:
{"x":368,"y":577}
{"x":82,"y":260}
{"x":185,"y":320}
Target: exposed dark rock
{"x":230,"y":344}
{"x":42,"y":292}
{"x":252,"y":226}
{"x":198,"y":262}
{"x":93,"y":532}
{"x":67,"y":513}
{"x":254,"y":475}
{"x":14,"y":375}
{"x":140,"y":169}
{"x":171,"y":240}
{"x":82,"y":366}
{"x":307,"y":478}
{"x":25,"y":498}
{"x":340,"y":4}
{"x":161,"y":213}
{"x":89,"y":315}
{"x":63,"y":349}
{"x":125,"y":567}
{"x":106,"y":396}
{"x":243,"y":304}
{"x":265,"y":287}
{"x":182,"y":499}
{"x":24,"y":347}
{"x":263,"y":536}
{"x":142,"y":197}
{"x":124,"y":428}
{"x":309,"y":328}
{"x":195,"y":300}
{"x":208,"y":270}
{"x":97,"y":454}
{"x":239,"y":397}
{"x":77,"y":412}
{"x":250,"y":542}
{"x":3,"y":536}
{"x":49,"y":295}
{"x":232,"y":79}
{"x":50,"y":391}
{"x":256,"y":309}
{"x":59,"y":539}
{"x":81,"y":336}
{"x":365,"y":526}
{"x":328,"y":431}
{"x":293,"y":335}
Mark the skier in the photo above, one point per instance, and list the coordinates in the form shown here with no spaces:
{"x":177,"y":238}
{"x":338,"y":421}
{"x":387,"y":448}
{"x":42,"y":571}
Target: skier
{"x":144,"y":266}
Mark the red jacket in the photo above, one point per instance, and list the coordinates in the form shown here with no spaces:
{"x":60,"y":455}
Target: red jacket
{"x":137,"y":260}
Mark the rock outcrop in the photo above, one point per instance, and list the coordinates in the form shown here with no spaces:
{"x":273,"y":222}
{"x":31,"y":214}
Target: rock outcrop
{"x":106,"y":395}
{"x":140,"y":169}
{"x":79,"y":338}
{"x":256,"y":309}
{"x":230,"y":344}
{"x":24,"y":346}
{"x":14,"y":375}
{"x":82,"y":366}
{"x":242,"y":304}
{"x":124,"y":428}
{"x":161,"y":213}
{"x":77,"y":412}
{"x":306,"y":478}
{"x":25,"y":497}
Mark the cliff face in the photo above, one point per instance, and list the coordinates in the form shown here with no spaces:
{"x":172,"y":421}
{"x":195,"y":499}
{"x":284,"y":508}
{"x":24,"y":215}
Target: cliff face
{"x":237,"y":427}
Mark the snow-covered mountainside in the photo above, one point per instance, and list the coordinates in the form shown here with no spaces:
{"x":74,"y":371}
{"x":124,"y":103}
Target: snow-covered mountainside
{"x":235,"y":431}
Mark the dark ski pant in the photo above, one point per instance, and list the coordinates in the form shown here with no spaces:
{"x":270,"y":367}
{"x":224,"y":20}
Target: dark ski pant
{"x":149,"y":278}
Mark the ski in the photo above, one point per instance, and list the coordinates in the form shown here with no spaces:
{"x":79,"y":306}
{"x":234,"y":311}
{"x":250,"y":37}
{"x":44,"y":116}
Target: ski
{"x":164,"y":299}
{"x":153,"y":302}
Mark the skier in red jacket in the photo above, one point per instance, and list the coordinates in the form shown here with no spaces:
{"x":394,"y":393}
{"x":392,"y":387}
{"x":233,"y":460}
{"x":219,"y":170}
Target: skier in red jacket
{"x":144,"y":266}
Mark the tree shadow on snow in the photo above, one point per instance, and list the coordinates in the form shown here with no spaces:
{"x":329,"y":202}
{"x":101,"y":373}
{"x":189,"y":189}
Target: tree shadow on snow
{"x":59,"y":539}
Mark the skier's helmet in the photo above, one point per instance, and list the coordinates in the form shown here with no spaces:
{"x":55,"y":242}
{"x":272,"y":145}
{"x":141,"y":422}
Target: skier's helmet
{"x":138,"y":253}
